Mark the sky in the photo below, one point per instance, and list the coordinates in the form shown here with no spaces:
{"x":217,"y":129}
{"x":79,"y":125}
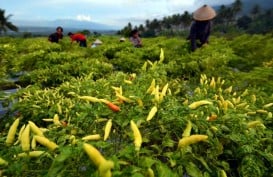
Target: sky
{"x":110,"y":12}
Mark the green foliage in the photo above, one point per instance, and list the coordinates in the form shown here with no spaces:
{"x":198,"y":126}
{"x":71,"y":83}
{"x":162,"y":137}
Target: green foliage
{"x":58,"y":74}
{"x":252,"y":50}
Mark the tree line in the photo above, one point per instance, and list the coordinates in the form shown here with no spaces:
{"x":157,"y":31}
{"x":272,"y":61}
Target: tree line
{"x":228,"y":17}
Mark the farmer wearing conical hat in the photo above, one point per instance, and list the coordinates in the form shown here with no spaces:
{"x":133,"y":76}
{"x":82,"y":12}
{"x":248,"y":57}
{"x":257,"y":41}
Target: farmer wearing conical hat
{"x":201,"y":27}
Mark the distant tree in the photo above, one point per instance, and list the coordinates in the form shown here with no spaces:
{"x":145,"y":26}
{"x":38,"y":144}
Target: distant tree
{"x":86,"y":32}
{"x":263,"y":23}
{"x":149,"y":33}
{"x":166,"y":22}
{"x":236,"y":7}
{"x":255,"y":11}
{"x":129,"y":26}
{"x":5,"y":24}
{"x":176,"y":20}
{"x":220,"y":18}
{"x":230,"y":16}
{"x":96,"y":34}
{"x":244,"y":22}
{"x":154,"y":25}
{"x":186,"y":19}
{"x":126,"y":30}
{"x":141,"y":28}
{"x":147,"y":23}
{"x":27,"y":35}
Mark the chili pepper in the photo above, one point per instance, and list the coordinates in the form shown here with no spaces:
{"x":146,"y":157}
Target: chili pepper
{"x":35,"y":129}
{"x":31,"y":154}
{"x":196,"y":104}
{"x":12,"y":132}
{"x":25,"y":140}
{"x":113,"y":107}
{"x":91,"y":137}
{"x":107,"y":129}
{"x":191,"y":140}
{"x":187,"y":131}
{"x":152,"y":113}
{"x":89,"y":98}
{"x":46,"y":142}
{"x":137,"y":135}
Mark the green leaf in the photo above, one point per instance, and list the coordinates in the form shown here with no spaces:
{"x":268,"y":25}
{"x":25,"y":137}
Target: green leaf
{"x":58,"y":165}
{"x":193,"y":170}
{"x":147,"y":162}
{"x":138,"y":175}
{"x":164,"y":171}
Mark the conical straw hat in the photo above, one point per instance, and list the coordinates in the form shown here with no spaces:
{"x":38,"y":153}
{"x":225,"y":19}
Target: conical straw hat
{"x":97,"y":41}
{"x":204,"y":13}
{"x":122,"y":39}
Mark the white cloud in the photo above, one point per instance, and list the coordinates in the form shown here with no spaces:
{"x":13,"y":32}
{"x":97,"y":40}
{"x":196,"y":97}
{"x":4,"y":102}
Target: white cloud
{"x":82,"y":17}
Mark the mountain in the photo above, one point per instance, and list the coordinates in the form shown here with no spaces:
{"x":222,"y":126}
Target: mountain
{"x":264,"y":4}
{"x":248,"y":5}
{"x":65,"y":23}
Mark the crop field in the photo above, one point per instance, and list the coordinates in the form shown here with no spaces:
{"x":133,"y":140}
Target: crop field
{"x":155,"y":111}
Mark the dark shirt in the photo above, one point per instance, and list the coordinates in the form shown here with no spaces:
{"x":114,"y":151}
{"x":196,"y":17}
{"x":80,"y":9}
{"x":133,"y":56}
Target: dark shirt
{"x":200,"y":30}
{"x":54,"y":37}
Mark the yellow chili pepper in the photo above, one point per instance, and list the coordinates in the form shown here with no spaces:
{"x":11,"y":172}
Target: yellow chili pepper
{"x":137,"y":135}
{"x":91,"y":137}
{"x":31,"y":154}
{"x":36,"y":130}
{"x":89,"y":98}
{"x":12,"y":132}
{"x":25,"y":139}
{"x":46,"y":142}
{"x":196,"y":104}
{"x":187,"y":131}
{"x":107,"y":129}
{"x":191,"y":140}
{"x":152,"y":113}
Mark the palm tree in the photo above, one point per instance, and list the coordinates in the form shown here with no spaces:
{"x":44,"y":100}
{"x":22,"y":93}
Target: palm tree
{"x":141,"y":28}
{"x":5,"y":24}
{"x":237,"y":7}
{"x":147,"y":24}
{"x":220,"y":18}
{"x":166,"y":23}
{"x":186,"y":19}
{"x":255,"y":11}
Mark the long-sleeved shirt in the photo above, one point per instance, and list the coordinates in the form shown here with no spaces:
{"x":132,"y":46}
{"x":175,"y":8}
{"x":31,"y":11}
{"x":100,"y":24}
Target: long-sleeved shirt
{"x":200,"y":30}
{"x":78,"y":37}
{"x":136,"y":41}
{"x":54,"y":37}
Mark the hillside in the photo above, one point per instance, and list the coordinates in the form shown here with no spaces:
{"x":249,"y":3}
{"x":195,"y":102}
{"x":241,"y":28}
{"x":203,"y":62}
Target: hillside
{"x":264,"y":4}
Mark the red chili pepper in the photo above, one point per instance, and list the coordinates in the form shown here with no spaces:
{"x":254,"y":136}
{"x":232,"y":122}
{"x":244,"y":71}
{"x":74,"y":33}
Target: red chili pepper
{"x":113,"y":107}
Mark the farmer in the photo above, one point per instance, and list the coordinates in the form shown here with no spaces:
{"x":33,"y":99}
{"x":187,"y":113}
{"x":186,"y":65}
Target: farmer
{"x":122,"y":39}
{"x":54,"y":37}
{"x":78,"y":37}
{"x":201,"y":27}
{"x":135,"y":39}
